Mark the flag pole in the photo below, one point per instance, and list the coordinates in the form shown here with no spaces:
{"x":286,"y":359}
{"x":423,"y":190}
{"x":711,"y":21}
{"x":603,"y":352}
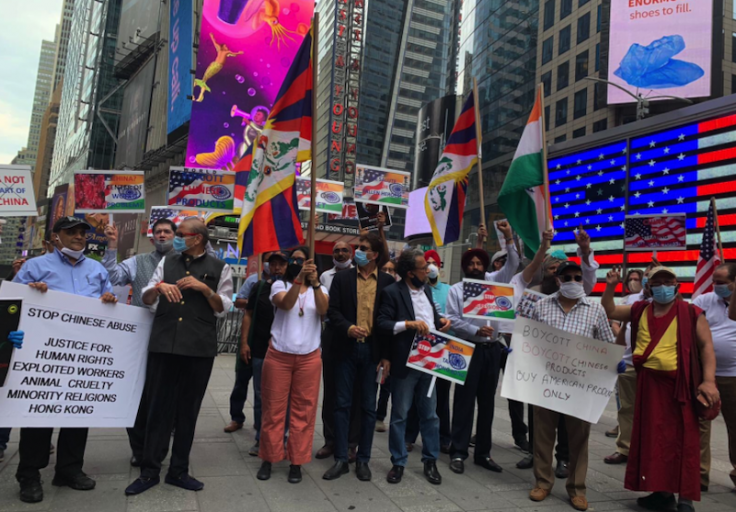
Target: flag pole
{"x":479,"y":140}
{"x":718,"y":227}
{"x":313,"y":172}
{"x":545,"y":171}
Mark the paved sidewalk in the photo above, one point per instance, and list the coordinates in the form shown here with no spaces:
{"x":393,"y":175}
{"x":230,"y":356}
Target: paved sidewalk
{"x":222,"y":462}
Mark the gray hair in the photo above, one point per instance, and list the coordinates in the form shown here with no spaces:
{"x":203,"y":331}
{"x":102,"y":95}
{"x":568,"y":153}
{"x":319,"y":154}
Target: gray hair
{"x":407,"y":261}
{"x":199,"y":228}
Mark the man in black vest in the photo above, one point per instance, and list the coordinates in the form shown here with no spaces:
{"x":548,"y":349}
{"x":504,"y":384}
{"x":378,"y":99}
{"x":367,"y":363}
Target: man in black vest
{"x":356,"y":351}
{"x":188,"y":291}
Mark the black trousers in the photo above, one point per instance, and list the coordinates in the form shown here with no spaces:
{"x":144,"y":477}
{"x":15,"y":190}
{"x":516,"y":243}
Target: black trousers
{"x":176,"y":387}
{"x":480,"y":385}
{"x":34,"y":451}
{"x":562,"y":450}
{"x":329,"y":400}
{"x":443,"y":411}
{"x":137,"y":433}
{"x":516,"y":411}
{"x":383,"y":396}
{"x":243,"y":374}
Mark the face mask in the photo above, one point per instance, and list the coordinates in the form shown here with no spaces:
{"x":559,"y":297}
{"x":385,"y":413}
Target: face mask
{"x":267,"y":269}
{"x":69,"y":252}
{"x":722,"y":290}
{"x":163,"y":247}
{"x":434,"y":272}
{"x":635,"y":286}
{"x":644,"y":281}
{"x":664,"y":294}
{"x":341,"y":265}
{"x":416,"y":282}
{"x":180,"y":244}
{"x":572,"y":290}
{"x":361,"y":258}
{"x":293,"y":269}
{"x":475,"y":274}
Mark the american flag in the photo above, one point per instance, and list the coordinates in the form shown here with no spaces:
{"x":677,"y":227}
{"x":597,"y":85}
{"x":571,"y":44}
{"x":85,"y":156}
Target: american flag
{"x":487,"y":300}
{"x":181,"y":185}
{"x":426,"y":351}
{"x":160,"y":212}
{"x":373,"y":180}
{"x":672,"y":171}
{"x":303,"y":192}
{"x":656,"y":232}
{"x":709,"y":258}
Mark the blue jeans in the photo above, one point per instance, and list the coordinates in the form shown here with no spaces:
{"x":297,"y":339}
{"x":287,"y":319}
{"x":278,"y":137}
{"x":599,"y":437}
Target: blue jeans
{"x":413,"y":388}
{"x":357,"y":368}
{"x":257,"y":365}
{"x":4,"y":438}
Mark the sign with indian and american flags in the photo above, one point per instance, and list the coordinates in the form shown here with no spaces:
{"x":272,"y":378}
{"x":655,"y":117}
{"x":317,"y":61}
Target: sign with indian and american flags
{"x":487,"y":300}
{"x":109,"y":192}
{"x":175,"y":216}
{"x":441,"y":355}
{"x":201,"y":189}
{"x":376,"y":185}
{"x":655,"y":232}
{"x":329,"y":195}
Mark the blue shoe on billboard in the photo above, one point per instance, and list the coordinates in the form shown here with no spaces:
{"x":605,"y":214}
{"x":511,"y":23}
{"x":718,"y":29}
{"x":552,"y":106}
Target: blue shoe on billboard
{"x":653,"y":66}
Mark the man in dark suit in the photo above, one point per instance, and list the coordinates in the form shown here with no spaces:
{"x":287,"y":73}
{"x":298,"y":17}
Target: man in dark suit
{"x":406,"y":308}
{"x":356,"y":351}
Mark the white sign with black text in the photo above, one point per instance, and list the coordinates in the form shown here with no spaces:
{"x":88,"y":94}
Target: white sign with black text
{"x":82,"y":364}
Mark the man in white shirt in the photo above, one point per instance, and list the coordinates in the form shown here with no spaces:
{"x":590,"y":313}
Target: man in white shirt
{"x":716,"y":304}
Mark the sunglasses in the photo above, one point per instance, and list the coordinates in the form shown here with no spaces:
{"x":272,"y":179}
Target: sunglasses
{"x":365,"y":248}
{"x":567,"y":278}
{"x":297,"y":261}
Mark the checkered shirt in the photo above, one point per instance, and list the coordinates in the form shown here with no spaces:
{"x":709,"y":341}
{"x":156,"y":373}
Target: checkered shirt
{"x":586,"y":318}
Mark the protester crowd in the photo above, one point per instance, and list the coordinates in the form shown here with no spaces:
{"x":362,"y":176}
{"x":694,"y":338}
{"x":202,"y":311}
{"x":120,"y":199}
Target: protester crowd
{"x":354,"y":326}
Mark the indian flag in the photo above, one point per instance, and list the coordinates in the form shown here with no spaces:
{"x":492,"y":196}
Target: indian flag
{"x":524,"y":196}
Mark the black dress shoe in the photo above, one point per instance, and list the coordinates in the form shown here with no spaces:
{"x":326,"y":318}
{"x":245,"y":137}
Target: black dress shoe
{"x":324,"y":452}
{"x":135,"y":462}
{"x":265,"y":472}
{"x":457,"y":466}
{"x":80,"y":482}
{"x":30,"y":490}
{"x":185,"y":482}
{"x":657,"y":501}
{"x":489,"y":464}
{"x":141,"y":484}
{"x":703,"y":488}
{"x":431,"y":473}
{"x":395,"y":474}
{"x":526,"y":463}
{"x":362,"y":471}
{"x":561,"y":469}
{"x":340,"y":468}
{"x":472,"y":440}
{"x":295,"y":474}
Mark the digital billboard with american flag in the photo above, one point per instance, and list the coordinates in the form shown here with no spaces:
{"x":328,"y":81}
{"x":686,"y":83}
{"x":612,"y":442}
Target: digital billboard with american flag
{"x":441,"y":355}
{"x":661,"y":171}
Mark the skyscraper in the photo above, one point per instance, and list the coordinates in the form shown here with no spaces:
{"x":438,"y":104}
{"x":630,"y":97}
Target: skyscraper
{"x":41,"y":97}
{"x":63,"y":32}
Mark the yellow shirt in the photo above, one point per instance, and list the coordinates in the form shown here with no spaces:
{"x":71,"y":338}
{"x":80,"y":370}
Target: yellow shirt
{"x":366,"y":299}
{"x":664,"y":356}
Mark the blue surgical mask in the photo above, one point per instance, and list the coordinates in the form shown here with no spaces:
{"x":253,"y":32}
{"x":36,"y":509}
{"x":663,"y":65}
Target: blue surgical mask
{"x":180,"y":245}
{"x":722,"y":290}
{"x":266,"y":268}
{"x":644,"y":281}
{"x":664,"y":294}
{"x":361,"y":258}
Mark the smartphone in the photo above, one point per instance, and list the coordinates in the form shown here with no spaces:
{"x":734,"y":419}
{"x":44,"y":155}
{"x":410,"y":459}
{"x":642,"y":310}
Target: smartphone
{"x":379,"y":376}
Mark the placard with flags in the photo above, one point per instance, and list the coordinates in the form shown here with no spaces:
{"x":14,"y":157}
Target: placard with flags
{"x":655,"y":232}
{"x":441,"y":355}
{"x":175,"y":216}
{"x":709,"y":257}
{"x":109,"y":192}
{"x":445,"y":199}
{"x":487,"y":300}
{"x":376,"y":185}
{"x":329,"y":195}
{"x":269,"y":219}
{"x":201,"y":189}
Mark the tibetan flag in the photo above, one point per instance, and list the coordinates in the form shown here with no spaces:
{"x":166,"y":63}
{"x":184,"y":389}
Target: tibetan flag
{"x":524,"y":196}
{"x":242,"y":171}
{"x":269,"y":218}
{"x":445,"y":199}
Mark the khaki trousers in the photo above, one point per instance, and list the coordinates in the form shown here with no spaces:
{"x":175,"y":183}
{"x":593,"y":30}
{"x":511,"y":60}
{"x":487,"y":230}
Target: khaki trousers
{"x":545,"y":434}
{"x":727,"y":389}
{"x":627,"y":397}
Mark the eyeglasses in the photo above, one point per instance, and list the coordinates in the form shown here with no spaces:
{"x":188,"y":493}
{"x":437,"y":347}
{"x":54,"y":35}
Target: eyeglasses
{"x":567,"y":278}
{"x":421,"y":269}
{"x":344,"y":249}
{"x":297,"y":261}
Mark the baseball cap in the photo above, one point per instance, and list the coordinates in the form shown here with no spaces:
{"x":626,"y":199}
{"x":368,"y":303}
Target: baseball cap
{"x":279,"y":254}
{"x":567,"y":265}
{"x":499,"y":255}
{"x":68,"y":223}
{"x":661,"y":268}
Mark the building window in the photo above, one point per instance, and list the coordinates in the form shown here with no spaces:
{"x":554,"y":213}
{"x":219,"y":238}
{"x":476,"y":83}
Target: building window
{"x":582,"y":2}
{"x":581,"y":66}
{"x":600,"y":126}
{"x":547,"y":82}
{"x":583,"y":28}
{"x":733,"y":47}
{"x":598,"y":22}
{"x":547,"y":46}
{"x":580,"y":107}
{"x":546,"y":118}
{"x":549,"y":14}
{"x":565,"y":9}
{"x":598,"y":100}
{"x":561,"y":112}
{"x":580,"y":132}
{"x":564,"y":42}
{"x":563,"y":75}
{"x":597,"y":56}
{"x":561,"y":138}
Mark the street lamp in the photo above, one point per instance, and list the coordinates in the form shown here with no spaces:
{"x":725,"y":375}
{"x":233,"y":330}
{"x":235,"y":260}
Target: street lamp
{"x":642,"y":104}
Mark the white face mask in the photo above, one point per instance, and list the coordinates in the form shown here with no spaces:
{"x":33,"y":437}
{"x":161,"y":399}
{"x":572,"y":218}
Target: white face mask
{"x":341,"y":265}
{"x":572,"y":290}
{"x":433,"y":272}
{"x":69,"y":252}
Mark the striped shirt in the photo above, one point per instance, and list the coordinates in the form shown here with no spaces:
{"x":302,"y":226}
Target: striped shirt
{"x":586,"y":318}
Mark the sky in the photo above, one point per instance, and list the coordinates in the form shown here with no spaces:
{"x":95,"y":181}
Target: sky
{"x":20,"y":46}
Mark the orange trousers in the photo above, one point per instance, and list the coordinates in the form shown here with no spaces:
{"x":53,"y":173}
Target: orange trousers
{"x":288,"y":376}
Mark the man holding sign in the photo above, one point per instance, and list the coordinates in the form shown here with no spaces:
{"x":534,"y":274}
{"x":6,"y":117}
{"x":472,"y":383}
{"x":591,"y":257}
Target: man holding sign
{"x":65,"y":270}
{"x":570,"y":311}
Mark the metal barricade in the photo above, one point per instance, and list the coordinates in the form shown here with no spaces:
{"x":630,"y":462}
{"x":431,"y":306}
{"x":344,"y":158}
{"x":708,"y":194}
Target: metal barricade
{"x":228,"y":332}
